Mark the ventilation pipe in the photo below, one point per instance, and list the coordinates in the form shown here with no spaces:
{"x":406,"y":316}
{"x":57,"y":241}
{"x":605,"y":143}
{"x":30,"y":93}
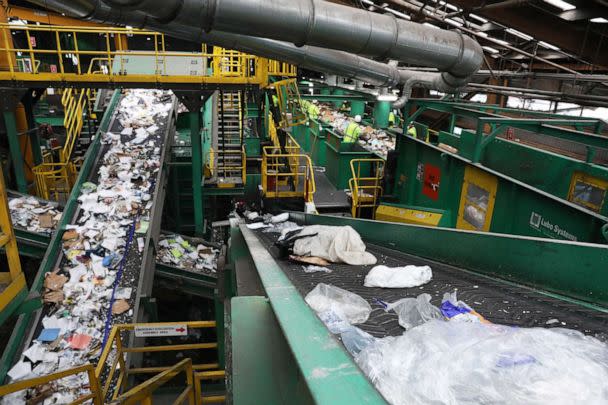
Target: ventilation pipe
{"x":182,"y":18}
{"x":325,"y":24}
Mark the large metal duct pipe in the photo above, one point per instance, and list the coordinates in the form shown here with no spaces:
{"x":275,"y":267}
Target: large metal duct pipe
{"x":314,"y":58}
{"x":325,"y":24}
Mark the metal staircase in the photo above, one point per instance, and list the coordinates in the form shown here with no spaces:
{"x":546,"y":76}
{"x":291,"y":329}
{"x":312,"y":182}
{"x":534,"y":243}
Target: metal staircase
{"x":230,"y":152}
{"x":54,"y":178}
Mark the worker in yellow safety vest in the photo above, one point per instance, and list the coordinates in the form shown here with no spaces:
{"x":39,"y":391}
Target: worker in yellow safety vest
{"x":392,"y":119}
{"x":411,"y":131}
{"x":353,"y":131}
{"x":275,"y":100}
{"x":313,"y":110}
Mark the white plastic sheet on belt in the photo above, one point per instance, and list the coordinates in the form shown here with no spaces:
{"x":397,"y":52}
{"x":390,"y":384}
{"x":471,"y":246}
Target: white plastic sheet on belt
{"x":338,"y":244}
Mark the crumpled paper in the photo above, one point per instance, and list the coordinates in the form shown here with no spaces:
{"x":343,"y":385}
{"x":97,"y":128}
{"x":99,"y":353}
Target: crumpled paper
{"x":34,"y":215}
{"x":78,"y":293}
{"x":185,"y":254}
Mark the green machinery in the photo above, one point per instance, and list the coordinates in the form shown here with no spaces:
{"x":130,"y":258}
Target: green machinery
{"x":295,"y":351}
{"x":477,"y":180}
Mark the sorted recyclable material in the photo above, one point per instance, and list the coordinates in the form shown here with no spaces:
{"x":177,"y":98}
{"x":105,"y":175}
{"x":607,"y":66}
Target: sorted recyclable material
{"x":192,"y":255}
{"x":398,"y":277}
{"x":453,"y":363}
{"x":345,"y":304}
{"x":376,"y":141}
{"x":78,"y":294}
{"x":34,"y":215}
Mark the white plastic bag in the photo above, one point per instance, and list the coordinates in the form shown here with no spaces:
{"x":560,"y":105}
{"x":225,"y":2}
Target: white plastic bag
{"x":415,"y":311}
{"x":347,"y":305}
{"x":338,"y":244}
{"x":398,"y":277}
{"x":443,"y":362}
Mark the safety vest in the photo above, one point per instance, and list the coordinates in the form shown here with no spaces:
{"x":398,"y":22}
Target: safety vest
{"x":391,"y":119}
{"x":275,"y":100}
{"x":412,"y":132}
{"x":352,"y":133}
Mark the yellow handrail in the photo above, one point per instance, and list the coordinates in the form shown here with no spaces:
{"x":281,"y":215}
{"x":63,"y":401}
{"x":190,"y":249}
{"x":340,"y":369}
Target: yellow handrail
{"x":144,"y":391}
{"x":290,"y":103}
{"x":66,"y":60}
{"x":365,"y":191}
{"x":94,"y":395}
{"x":119,"y":363}
{"x":287,"y":175}
{"x":115,"y":350}
{"x":12,"y":279}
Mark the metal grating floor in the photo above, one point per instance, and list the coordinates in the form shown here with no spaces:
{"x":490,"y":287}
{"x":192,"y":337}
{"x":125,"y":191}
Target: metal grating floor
{"x":497,"y":300}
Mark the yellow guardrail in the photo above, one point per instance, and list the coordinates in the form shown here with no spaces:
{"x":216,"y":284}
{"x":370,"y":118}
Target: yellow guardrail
{"x":365,"y":190}
{"x":94,"y":395}
{"x":63,"y":60}
{"x":290,"y":103}
{"x":55,"y":177}
{"x":289,"y":174}
{"x":113,"y":359}
{"x":12,"y":280}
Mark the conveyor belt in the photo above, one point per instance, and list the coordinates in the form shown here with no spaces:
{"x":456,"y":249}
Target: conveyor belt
{"x":498,"y":301}
{"x":139,"y":267}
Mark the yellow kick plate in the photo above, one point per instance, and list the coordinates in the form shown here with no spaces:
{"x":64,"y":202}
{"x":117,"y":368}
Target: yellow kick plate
{"x":407,"y":216}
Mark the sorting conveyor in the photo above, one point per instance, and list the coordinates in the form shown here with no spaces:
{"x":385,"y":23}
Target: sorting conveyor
{"x":511,"y":280}
{"x":138,"y":271}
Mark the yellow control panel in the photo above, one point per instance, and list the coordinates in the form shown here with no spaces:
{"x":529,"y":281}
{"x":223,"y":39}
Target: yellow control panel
{"x":407,"y":216}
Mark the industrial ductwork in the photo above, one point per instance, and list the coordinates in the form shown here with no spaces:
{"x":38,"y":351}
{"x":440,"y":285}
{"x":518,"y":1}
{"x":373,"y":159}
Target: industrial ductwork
{"x":455,"y":55}
{"x":324,"y":24}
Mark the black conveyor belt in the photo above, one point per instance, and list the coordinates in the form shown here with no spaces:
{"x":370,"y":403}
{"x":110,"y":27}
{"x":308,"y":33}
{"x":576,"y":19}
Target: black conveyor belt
{"x":498,"y":301}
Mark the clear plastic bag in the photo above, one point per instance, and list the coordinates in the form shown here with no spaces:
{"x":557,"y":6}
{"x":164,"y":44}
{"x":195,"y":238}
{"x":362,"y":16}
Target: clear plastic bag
{"x":347,"y":305}
{"x":442,"y":362}
{"x":415,"y":311}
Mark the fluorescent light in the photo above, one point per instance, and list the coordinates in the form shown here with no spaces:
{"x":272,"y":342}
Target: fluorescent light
{"x":490,"y":49}
{"x":519,"y":34}
{"x":483,"y":34}
{"x":386,"y":97}
{"x":599,"y":20}
{"x":548,"y":46}
{"x":561,"y":4}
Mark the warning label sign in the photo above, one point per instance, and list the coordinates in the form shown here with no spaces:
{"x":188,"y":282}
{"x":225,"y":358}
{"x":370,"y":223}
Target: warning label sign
{"x":155,"y":331}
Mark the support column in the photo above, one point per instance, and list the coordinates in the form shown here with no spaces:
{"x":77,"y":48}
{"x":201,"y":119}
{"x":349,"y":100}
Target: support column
{"x":28,"y":103}
{"x":197,"y":170}
{"x":452,"y":123}
{"x":15,"y":149}
{"x":357,"y":108}
{"x":381,"y":111}
{"x":338,"y":92}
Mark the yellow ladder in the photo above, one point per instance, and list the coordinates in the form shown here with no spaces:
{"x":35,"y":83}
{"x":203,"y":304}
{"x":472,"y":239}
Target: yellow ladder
{"x":54,"y":179}
{"x":12,"y":282}
{"x":366,"y":189}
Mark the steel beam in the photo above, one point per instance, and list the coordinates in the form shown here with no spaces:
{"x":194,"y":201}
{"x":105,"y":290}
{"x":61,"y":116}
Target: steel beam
{"x":15,"y":149}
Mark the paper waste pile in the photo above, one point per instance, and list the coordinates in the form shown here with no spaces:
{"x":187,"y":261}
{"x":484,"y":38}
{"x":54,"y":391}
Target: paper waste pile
{"x":34,"y":215}
{"x":94,"y":286}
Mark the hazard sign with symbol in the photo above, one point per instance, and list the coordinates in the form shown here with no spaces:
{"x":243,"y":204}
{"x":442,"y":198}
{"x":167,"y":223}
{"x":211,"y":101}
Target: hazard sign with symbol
{"x":160,"y":330}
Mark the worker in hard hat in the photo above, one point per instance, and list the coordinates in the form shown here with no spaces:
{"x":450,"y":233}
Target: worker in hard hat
{"x":351,"y":135}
